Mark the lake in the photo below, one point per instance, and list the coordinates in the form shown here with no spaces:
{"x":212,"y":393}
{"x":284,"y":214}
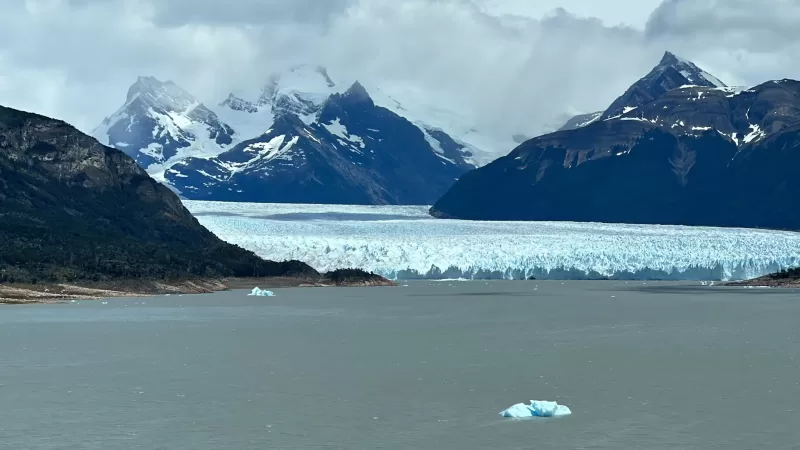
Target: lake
{"x":423,"y":366}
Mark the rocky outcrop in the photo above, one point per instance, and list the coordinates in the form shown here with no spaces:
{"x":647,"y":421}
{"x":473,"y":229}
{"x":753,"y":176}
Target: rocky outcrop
{"x":783,"y":279}
{"x":355,"y":277}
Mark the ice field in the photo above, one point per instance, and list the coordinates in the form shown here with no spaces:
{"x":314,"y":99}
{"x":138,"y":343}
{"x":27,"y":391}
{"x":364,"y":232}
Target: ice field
{"x":403,"y":242}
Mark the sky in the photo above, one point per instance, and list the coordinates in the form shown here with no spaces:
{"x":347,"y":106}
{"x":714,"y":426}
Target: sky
{"x":518,"y":66}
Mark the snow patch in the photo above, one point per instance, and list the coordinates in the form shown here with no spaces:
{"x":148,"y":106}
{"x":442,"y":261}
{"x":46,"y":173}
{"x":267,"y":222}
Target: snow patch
{"x":338,"y":129}
{"x":641,"y":119}
{"x":731,"y":90}
{"x":592,"y":119}
{"x":275,"y":148}
{"x":755,"y":134}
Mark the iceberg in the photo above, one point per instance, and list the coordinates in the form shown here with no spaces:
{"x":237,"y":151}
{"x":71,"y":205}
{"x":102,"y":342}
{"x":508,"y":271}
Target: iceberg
{"x":404,"y":242}
{"x":537,"y":408}
{"x":256,"y":292}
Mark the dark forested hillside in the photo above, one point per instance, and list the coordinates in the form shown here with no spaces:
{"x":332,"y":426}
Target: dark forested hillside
{"x":72,"y":209}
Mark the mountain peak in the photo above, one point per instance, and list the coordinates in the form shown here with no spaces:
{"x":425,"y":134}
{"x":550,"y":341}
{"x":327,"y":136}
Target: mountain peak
{"x":159,"y":94}
{"x":689,"y":70}
{"x":357,"y":94}
{"x":237,"y":103}
{"x":671,"y":72}
{"x":669,"y":59}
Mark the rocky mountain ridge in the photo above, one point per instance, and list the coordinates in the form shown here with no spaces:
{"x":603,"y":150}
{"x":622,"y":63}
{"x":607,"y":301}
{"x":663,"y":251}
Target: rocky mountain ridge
{"x":285,"y":145}
{"x":694,"y":155}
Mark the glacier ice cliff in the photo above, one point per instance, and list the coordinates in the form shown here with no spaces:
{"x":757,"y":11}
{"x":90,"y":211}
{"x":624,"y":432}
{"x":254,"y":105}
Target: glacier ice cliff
{"x":403,"y":242}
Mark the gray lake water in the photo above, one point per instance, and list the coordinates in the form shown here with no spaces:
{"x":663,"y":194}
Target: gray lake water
{"x":427,"y":366}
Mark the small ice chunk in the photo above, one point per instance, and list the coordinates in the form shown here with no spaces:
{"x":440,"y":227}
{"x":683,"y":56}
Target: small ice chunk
{"x":537,"y":408}
{"x":256,"y":292}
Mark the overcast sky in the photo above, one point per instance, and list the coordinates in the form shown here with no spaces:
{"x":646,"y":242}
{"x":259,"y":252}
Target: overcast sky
{"x":513,"y":64}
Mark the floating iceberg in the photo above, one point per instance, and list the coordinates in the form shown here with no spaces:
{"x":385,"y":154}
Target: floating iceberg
{"x":537,"y":408}
{"x":256,"y":292}
{"x":404,"y":242}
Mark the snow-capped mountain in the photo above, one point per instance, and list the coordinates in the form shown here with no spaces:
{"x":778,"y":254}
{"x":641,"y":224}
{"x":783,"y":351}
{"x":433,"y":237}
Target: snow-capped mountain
{"x":671,"y":73}
{"x":352,"y":152}
{"x":160,"y":123}
{"x":693,"y":155}
{"x":289,"y":133}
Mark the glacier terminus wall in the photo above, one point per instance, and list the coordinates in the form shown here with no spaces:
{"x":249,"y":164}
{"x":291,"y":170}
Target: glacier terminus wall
{"x":404,"y":242}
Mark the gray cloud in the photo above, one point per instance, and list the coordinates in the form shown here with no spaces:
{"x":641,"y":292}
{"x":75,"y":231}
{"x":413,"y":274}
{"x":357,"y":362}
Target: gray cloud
{"x":747,"y":41}
{"x":514,"y":69}
{"x":252,"y":12}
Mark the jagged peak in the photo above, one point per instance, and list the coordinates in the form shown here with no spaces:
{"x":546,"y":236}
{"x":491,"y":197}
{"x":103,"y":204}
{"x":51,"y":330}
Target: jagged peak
{"x":670,"y":58}
{"x":694,"y":74}
{"x":237,"y":103}
{"x":357,"y":94}
{"x":145,"y":84}
{"x":162,"y":94}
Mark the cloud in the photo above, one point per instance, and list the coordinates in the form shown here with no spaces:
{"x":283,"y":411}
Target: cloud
{"x":514,"y":68}
{"x":745,"y":41}
{"x":252,"y":12}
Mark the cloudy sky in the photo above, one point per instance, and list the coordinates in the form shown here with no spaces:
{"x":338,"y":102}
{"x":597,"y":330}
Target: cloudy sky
{"x":519,"y":65}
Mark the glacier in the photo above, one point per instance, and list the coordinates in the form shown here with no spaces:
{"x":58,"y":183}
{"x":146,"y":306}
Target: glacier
{"x":404,"y":242}
{"x":537,"y":408}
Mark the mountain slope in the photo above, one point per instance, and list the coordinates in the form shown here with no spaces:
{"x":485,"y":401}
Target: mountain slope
{"x":72,"y":209}
{"x":581,"y":120}
{"x":353,"y":152}
{"x":672,"y":72}
{"x":694,"y":156}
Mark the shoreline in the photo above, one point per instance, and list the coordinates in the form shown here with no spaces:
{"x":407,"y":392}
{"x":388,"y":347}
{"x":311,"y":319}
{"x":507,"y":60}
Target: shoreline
{"x":51,"y":293}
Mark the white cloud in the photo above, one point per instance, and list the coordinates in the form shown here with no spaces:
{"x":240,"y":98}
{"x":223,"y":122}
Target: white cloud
{"x":74,"y":59}
{"x":632,"y":13}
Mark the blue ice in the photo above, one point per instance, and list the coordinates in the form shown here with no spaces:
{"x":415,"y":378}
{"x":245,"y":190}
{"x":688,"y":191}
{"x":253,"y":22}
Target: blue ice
{"x":256,"y":292}
{"x":537,"y":408}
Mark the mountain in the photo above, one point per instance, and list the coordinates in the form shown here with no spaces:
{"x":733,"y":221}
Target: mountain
{"x":160,"y":122}
{"x":74,"y":210}
{"x":303,"y":137}
{"x":694,"y":155}
{"x":581,"y":120}
{"x":351,"y":152}
{"x":671,"y":73}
